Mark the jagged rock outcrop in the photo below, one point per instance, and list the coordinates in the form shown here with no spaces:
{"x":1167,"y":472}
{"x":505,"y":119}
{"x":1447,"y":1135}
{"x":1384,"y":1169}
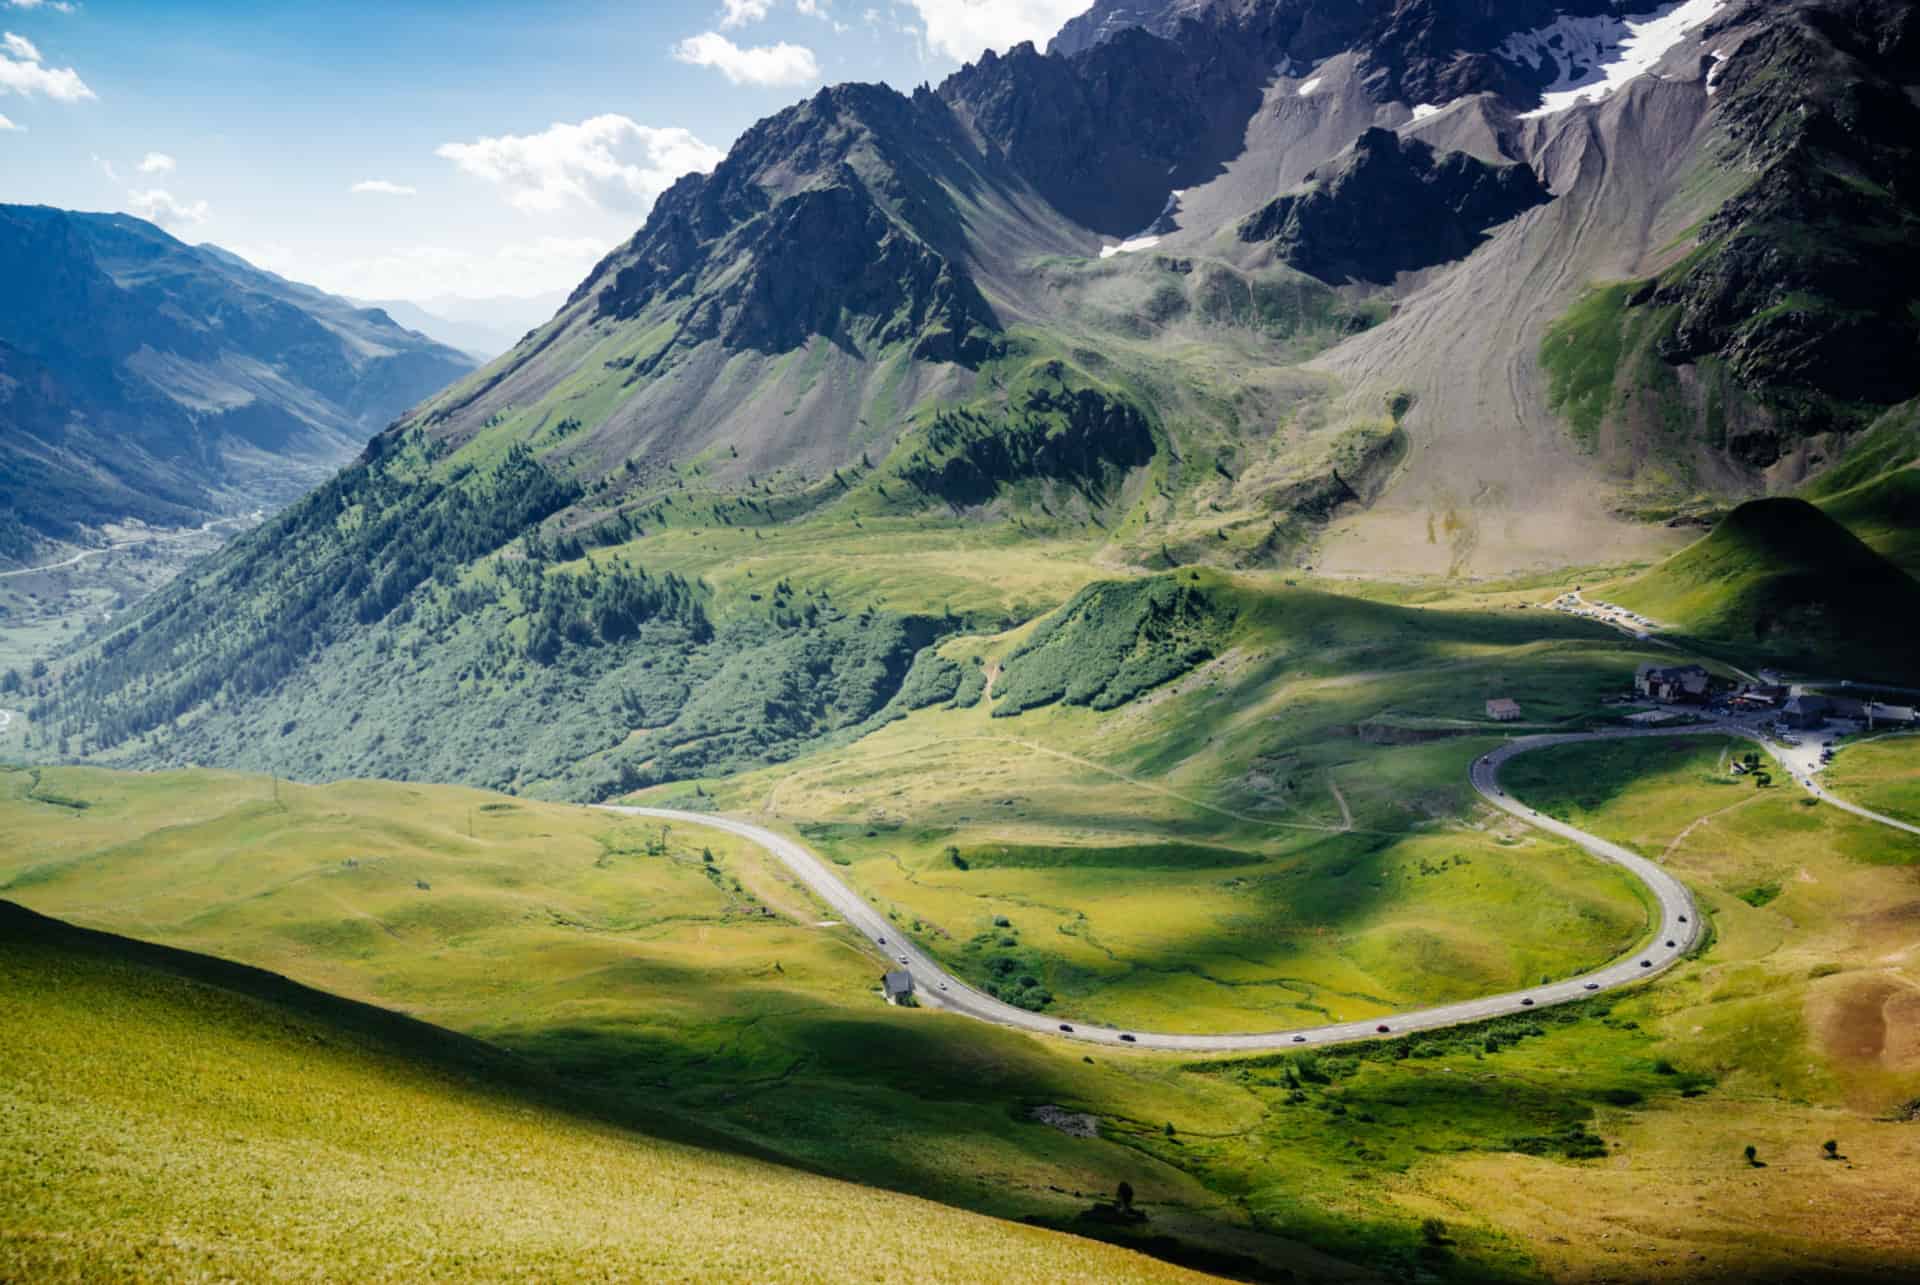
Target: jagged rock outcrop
{"x":862,"y":254}
{"x":1413,"y":50}
{"x":1105,"y":135}
{"x":1804,"y":283}
{"x":1390,"y":205}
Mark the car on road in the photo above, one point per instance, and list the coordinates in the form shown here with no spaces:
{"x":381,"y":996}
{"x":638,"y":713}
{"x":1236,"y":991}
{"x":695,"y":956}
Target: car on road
{"x":1646,"y":963}
{"x":1383,"y":1028}
{"x":943,"y":986}
{"x":881,"y":940}
{"x":1593,"y":986}
{"x":1683,"y":919}
{"x":1670,"y":946}
{"x":903,"y":959}
{"x":1527,"y":1002}
{"x":1299,"y":1039}
{"x":1128,"y":1038}
{"x":1066,"y":1028}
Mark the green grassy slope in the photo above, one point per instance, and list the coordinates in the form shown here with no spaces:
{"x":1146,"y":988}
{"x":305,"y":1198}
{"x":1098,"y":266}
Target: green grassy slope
{"x":1885,"y":514}
{"x":1779,"y":580}
{"x":1882,"y":774}
{"x":174,"y":1117}
{"x":627,"y":993}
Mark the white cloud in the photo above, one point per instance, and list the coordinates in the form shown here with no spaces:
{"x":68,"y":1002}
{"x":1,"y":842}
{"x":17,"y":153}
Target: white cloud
{"x":58,"y":6}
{"x":821,"y":9}
{"x":156,"y":163}
{"x":21,"y":73}
{"x":8,"y":127}
{"x":738,"y":13}
{"x":782,"y":65}
{"x":964,"y":29}
{"x":609,"y":162}
{"x":539,"y":266}
{"x":380,"y":187}
{"x":157,"y":205}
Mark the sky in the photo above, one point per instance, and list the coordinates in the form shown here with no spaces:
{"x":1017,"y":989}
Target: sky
{"x":407,"y":149}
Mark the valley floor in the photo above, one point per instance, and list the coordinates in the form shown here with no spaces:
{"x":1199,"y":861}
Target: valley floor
{"x":48,"y":605}
{"x":680,"y":969}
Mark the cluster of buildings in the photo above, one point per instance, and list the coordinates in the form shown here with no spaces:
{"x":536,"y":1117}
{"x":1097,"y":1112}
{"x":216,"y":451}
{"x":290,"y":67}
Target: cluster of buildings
{"x":1674,"y":684}
{"x":1807,"y":711}
{"x":1799,"y":710}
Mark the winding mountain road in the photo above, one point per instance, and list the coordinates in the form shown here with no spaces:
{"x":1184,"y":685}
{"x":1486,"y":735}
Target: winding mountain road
{"x":158,"y":537}
{"x":1678,"y":928}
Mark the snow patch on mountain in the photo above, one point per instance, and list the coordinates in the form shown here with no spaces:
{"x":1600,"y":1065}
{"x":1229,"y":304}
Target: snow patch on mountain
{"x":1596,"y":56}
{"x":1719,"y":65}
{"x":1306,"y":90}
{"x":1149,"y":237}
{"x":1423,"y":110}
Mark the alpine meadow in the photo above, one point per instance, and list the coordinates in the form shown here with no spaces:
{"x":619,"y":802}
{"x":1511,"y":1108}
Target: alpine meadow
{"x":1258,"y":640}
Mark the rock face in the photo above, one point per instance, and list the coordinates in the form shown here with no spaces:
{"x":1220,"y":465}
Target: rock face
{"x":142,"y":377}
{"x":1414,"y":51}
{"x":1391,"y":205}
{"x":1804,"y":283}
{"x":844,"y":231}
{"x":1104,"y":135}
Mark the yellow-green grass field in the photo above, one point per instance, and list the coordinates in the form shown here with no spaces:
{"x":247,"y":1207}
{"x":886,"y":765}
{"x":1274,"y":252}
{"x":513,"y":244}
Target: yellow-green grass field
{"x":1882,"y":773}
{"x":1804,"y":1010}
{"x":715,"y":991}
{"x":1586,"y":1142}
{"x":167,"y":1117}
{"x":1282,"y":836}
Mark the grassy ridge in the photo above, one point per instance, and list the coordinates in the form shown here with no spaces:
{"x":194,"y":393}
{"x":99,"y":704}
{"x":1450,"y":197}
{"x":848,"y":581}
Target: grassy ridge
{"x":1885,"y":515}
{"x":277,"y":1133}
{"x":1780,"y":580}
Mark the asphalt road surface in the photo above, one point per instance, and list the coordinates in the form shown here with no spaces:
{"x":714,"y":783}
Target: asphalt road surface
{"x":937,"y":988}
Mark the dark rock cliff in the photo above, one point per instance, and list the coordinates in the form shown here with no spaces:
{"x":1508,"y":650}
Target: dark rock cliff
{"x":1390,"y":205}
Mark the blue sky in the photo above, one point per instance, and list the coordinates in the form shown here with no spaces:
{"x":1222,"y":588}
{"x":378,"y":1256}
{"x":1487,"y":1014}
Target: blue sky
{"x":496,"y":148}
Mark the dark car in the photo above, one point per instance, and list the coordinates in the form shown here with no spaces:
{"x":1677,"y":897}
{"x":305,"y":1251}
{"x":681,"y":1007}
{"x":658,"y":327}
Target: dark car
{"x":1670,"y":946}
{"x":1128,"y":1038}
{"x":1683,"y":919}
{"x":1065,"y":1027}
{"x":1383,"y":1028}
{"x":1528,"y":1001}
{"x":1593,"y":986}
{"x":1646,"y":963}
{"x":1299,"y":1039}
{"x":882,"y":940}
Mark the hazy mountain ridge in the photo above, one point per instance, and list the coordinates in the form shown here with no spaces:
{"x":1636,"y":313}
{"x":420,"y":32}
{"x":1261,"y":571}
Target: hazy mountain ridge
{"x":150,"y":379}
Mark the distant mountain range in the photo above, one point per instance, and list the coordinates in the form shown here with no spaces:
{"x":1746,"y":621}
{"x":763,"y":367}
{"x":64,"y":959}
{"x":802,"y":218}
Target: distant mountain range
{"x":141,"y":377}
{"x":482,"y":328}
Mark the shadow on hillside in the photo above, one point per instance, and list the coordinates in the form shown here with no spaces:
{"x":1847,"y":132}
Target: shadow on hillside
{"x":884,"y":1099}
